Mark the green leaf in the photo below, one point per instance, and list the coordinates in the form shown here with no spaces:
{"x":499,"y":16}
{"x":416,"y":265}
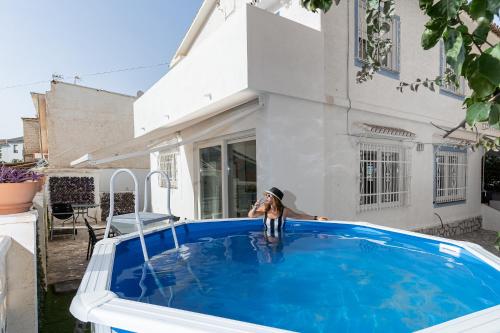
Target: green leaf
{"x":489,"y":64}
{"x":432,"y":33}
{"x":477,"y":8}
{"x":494,"y":7}
{"x":494,"y":120}
{"x":482,"y":30}
{"x":424,"y":4}
{"x":371,"y":4}
{"x":445,"y":8}
{"x":477,"y":112}
{"x":455,"y":51}
{"x":480,"y":84}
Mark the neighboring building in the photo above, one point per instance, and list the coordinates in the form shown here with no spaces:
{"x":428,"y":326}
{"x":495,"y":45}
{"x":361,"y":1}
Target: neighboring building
{"x":73,"y":119}
{"x":261,"y":97}
{"x":32,"y":144}
{"x":11,"y":150}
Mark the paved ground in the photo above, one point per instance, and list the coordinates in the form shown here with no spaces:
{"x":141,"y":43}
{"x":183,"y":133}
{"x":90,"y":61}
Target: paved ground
{"x":67,"y":256}
{"x":485,"y":238}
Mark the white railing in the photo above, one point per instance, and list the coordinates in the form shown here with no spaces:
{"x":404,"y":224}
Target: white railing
{"x":450,"y":178}
{"x":4,"y":247}
{"x":384,"y":176}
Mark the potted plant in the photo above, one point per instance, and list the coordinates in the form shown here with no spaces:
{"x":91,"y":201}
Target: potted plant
{"x":17,"y":189}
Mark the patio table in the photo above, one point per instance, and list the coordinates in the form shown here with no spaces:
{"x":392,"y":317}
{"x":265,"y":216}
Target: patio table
{"x":83,"y":209}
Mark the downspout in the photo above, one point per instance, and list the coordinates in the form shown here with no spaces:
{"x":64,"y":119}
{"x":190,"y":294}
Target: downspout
{"x":348,"y":58}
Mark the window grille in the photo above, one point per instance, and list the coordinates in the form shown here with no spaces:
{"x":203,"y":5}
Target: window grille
{"x":391,"y":62}
{"x":384,"y":176}
{"x":460,"y":90}
{"x":167,"y":161}
{"x":450,"y":176}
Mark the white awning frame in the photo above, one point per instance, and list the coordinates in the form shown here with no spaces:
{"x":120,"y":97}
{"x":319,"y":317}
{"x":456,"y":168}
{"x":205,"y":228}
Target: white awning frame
{"x":244,"y":110}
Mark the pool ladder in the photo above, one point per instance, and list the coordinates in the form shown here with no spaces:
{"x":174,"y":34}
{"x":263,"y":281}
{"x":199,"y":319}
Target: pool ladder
{"x":144,"y":216}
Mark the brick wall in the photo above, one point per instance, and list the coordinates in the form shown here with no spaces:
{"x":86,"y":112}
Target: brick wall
{"x":31,"y":134}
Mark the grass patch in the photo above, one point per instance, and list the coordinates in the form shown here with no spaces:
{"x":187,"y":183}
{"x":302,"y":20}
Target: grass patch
{"x":55,"y":315}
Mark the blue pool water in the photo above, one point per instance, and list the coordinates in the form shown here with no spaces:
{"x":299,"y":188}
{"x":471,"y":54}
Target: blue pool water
{"x":316,"y":278}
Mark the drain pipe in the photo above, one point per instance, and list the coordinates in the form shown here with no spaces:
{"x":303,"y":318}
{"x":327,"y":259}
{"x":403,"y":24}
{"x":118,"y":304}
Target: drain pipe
{"x":348,"y":81}
{"x":440,"y":219}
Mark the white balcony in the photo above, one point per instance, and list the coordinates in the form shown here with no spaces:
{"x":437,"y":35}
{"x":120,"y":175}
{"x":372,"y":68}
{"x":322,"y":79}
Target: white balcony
{"x":252,"y":51}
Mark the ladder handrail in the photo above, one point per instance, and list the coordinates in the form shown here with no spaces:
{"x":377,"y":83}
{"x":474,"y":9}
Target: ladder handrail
{"x":136,"y":208}
{"x":148,"y":180}
{"x":169,"y":212}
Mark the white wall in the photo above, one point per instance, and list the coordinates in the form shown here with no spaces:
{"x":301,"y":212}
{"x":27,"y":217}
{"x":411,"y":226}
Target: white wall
{"x":284,"y":57}
{"x":491,"y":218}
{"x":8,"y":154}
{"x":214,"y":70}
{"x":21,"y":271}
{"x":380,"y":95}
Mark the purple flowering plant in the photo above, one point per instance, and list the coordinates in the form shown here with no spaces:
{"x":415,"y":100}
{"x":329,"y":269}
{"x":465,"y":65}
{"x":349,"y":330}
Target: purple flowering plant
{"x":15,"y":175}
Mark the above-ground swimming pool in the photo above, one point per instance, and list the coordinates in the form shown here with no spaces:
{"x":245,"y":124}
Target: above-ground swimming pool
{"x":316,"y":277}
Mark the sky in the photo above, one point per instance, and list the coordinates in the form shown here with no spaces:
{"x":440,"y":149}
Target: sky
{"x":71,"y":38}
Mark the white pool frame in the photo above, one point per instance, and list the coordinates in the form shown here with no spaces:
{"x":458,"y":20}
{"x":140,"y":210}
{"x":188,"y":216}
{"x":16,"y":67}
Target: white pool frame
{"x":95,"y":303}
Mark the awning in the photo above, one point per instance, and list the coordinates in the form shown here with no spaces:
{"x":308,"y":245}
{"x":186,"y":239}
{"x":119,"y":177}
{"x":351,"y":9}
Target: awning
{"x":388,"y":131}
{"x":156,"y":140}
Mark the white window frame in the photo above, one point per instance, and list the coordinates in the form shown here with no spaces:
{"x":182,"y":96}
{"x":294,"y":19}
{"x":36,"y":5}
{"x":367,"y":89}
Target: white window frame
{"x":168,"y":161}
{"x":449,"y":88}
{"x":377,"y":190}
{"x":393,"y":58}
{"x":450,"y":175}
{"x":222,"y":141}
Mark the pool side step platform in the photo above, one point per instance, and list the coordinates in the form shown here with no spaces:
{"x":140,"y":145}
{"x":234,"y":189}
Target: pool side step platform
{"x":484,"y":321}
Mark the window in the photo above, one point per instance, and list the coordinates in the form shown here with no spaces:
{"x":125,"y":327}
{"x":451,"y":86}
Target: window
{"x":391,"y":63}
{"x":167,"y":161}
{"x":15,"y":149}
{"x":449,"y":88}
{"x":384,"y":176}
{"x":450,"y":169}
{"x":227,"y":177}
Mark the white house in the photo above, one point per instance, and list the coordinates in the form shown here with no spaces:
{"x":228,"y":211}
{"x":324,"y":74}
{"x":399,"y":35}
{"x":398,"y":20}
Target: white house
{"x":265,"y":95}
{"x":11,"y":150}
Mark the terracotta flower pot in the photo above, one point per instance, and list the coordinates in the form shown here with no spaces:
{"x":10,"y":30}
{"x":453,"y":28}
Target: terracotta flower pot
{"x":17,"y":197}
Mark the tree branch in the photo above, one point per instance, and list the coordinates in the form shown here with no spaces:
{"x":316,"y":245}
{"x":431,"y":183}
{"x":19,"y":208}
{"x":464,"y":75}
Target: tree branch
{"x":462,"y":124}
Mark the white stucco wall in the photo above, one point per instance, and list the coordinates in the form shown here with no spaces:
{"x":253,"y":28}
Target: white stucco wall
{"x":81,"y":120}
{"x":8,"y":154}
{"x":380,"y":95}
{"x":21,"y":271}
{"x":213,"y":71}
{"x":284,"y":57}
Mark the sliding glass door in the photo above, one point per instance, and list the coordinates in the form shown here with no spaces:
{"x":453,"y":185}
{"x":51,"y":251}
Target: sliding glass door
{"x":228,"y":178}
{"x":211,"y":182}
{"x":242,"y":177}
